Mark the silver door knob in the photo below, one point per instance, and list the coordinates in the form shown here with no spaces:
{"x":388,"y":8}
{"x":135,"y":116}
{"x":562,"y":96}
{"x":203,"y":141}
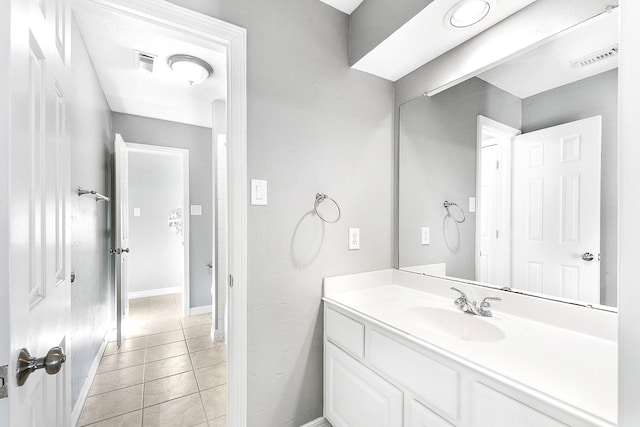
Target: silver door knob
{"x":125,"y":250}
{"x":587,"y":256}
{"x":208,"y":266}
{"x":51,"y":363}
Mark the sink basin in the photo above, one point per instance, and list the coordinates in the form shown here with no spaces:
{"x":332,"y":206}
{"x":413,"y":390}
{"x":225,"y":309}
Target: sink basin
{"x":454,"y":323}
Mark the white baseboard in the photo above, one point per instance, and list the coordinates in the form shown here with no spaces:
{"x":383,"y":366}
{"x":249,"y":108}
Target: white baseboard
{"x":84,"y":392}
{"x":155,"y":292}
{"x":318,"y":422}
{"x":218,"y":335}
{"x":203,"y":309}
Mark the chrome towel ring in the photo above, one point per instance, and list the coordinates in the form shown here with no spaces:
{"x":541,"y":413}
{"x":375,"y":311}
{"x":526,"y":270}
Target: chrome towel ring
{"x":447,"y":205}
{"x":321,"y":197}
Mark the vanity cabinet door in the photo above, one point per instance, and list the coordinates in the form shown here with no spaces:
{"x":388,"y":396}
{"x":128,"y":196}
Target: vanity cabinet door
{"x":492,"y":408}
{"x":421,"y":416}
{"x":355,"y":396}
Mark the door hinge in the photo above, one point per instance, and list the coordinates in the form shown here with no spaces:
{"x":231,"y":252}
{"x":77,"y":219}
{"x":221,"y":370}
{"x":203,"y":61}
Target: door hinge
{"x":497,"y":234}
{"x":230,"y":281}
{"x":4,"y":381}
{"x":498,"y":164}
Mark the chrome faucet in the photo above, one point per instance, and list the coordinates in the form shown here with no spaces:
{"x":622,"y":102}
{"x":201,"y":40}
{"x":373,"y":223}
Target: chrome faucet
{"x":464,"y":304}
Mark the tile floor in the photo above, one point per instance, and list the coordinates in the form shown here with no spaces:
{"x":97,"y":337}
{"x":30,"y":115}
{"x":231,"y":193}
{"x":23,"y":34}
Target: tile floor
{"x":168,"y":371}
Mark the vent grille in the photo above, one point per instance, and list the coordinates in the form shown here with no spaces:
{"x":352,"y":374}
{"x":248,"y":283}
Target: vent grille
{"x":595,"y":57}
{"x":144,"y":61}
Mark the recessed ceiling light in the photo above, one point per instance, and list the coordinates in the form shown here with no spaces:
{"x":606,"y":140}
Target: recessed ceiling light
{"x":190,"y":68}
{"x":467,"y":12}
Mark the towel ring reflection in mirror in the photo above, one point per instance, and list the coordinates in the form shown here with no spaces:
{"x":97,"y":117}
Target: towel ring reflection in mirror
{"x":447,"y":205}
{"x":321,"y":197}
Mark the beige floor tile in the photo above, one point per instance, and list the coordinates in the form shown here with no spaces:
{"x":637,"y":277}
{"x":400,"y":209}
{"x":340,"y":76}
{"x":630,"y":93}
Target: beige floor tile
{"x":211,"y":376}
{"x":215,"y":401}
{"x":167,"y":367}
{"x":166,"y":351}
{"x":132,"y":419}
{"x":164,"y":325}
{"x":218,"y":422}
{"x":118,"y":379}
{"x":164,"y":338}
{"x":111,"y":404}
{"x":186,"y":411}
{"x":191,"y":321}
{"x":121,"y":361}
{"x":204,"y":424}
{"x":127,"y":345}
{"x":198,"y":331}
{"x":209,"y":357}
{"x":168,"y":388}
{"x":200,"y":343}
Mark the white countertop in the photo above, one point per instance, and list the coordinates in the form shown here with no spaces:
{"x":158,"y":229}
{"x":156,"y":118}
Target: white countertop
{"x":576,"y":368}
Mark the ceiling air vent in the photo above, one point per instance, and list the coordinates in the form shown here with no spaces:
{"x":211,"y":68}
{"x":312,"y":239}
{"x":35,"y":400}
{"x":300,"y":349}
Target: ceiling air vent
{"x":595,"y":57}
{"x":144,"y":61}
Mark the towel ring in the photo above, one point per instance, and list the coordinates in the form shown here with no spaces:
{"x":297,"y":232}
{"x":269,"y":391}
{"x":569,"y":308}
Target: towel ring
{"x":447,"y":205}
{"x":321,"y":197}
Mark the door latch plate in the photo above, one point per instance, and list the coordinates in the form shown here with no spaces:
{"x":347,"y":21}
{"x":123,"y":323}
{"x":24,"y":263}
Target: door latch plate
{"x":4,"y":380}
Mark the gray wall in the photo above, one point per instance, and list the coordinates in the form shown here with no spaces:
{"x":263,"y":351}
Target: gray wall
{"x":156,"y":188}
{"x":438,"y":163}
{"x":198,"y":141}
{"x":313,"y":125}
{"x":91,"y":149}
{"x":375,"y":20}
{"x":590,"y":97}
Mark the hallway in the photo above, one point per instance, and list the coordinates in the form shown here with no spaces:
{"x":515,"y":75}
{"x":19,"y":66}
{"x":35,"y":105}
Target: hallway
{"x":168,"y":371}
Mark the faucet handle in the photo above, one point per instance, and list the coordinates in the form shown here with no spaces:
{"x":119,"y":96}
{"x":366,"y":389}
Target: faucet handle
{"x":485,"y":301}
{"x":462,"y":294}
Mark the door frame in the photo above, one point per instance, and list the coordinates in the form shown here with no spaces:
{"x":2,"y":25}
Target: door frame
{"x":232,"y":41}
{"x":503,"y":250}
{"x":183,"y":154}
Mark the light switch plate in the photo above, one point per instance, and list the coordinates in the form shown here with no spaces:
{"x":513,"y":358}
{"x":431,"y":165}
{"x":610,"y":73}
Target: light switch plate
{"x":426,"y":236}
{"x":472,"y":204}
{"x":354,"y":239}
{"x":136,"y":211}
{"x":258,"y":192}
{"x":196,"y":210}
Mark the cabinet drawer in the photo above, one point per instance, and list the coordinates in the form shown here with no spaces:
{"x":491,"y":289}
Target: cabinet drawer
{"x":355,"y":396}
{"x":345,"y":332}
{"x":420,"y":416}
{"x":432,"y":382}
{"x":492,"y":408}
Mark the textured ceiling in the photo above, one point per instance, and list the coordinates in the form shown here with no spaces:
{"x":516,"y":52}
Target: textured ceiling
{"x":112,"y":44}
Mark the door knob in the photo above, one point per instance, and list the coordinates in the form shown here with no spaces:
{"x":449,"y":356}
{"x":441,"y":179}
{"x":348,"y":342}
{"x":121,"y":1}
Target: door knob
{"x":208,"y":266}
{"x":51,"y":363}
{"x":587,"y":256}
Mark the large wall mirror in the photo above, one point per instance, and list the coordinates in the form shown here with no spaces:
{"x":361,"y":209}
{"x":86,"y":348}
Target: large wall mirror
{"x":509,"y":179}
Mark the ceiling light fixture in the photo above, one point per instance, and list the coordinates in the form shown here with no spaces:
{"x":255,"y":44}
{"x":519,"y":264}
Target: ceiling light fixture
{"x":190,"y":68}
{"x":467,"y":12}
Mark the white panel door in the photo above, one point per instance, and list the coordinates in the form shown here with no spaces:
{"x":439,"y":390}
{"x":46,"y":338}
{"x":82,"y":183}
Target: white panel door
{"x":556,"y":210}
{"x":121,"y":251}
{"x":487,"y":215}
{"x":355,"y":396}
{"x":39,"y":191}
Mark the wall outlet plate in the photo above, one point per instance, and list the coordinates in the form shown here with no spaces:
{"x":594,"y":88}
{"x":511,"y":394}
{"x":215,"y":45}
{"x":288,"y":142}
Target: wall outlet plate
{"x":426,"y":236}
{"x":354,"y":239}
{"x":196,"y":210}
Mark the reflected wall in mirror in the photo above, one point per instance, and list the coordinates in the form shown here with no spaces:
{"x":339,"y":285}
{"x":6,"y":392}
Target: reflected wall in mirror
{"x":510,"y":178}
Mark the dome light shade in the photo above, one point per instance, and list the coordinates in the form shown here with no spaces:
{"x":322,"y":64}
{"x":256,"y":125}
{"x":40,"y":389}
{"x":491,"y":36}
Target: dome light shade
{"x":190,"y":68}
{"x":467,"y":12}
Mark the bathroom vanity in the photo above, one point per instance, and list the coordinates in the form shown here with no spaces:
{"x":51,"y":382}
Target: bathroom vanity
{"x":398,"y":352}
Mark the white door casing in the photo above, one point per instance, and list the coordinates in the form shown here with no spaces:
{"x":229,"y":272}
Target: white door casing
{"x":39,"y":192}
{"x":488,"y":213}
{"x":121,"y":241}
{"x":494,"y":233}
{"x":232,"y":40}
{"x":556,"y":210}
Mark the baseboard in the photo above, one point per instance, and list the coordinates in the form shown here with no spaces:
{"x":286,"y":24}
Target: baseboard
{"x":84,"y":392}
{"x":218,"y":335}
{"x":318,"y":422}
{"x":155,"y":292}
{"x":203,"y":309}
